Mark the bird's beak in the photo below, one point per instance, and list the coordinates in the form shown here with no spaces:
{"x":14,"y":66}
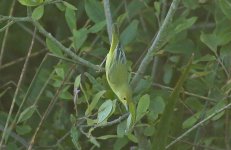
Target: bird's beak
{"x":126,"y":107}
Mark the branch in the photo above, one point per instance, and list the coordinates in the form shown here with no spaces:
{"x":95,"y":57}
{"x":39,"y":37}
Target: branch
{"x":108,"y":18}
{"x":198,"y":124}
{"x":15,"y":19}
{"x":64,"y":49}
{"x":156,"y":43}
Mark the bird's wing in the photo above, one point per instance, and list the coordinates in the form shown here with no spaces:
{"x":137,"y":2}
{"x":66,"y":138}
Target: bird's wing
{"x":118,"y":71}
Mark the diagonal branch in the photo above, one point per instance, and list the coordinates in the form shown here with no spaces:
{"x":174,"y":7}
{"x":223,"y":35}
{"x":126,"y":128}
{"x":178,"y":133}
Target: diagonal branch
{"x":159,"y":40}
{"x":64,"y":49}
{"x":198,"y":124}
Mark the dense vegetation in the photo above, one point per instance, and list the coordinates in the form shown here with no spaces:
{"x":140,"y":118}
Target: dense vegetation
{"x":54,"y":93}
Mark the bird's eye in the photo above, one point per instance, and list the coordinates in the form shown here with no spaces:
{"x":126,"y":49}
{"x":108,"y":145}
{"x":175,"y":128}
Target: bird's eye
{"x":124,"y":98}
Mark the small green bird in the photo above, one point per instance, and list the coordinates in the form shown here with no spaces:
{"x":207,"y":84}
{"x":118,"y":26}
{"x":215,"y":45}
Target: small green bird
{"x":118,"y":76}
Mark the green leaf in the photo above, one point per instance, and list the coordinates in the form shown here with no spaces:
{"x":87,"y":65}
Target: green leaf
{"x":129,"y":33}
{"x":94,"y":10}
{"x":60,"y":6}
{"x":205,"y":58}
{"x":187,"y":23}
{"x":210,"y":40}
{"x":225,"y":6}
{"x":53,"y":47}
{"x":149,"y":131}
{"x":26,"y":114}
{"x":104,"y":111}
{"x":77,"y":81}
{"x":41,"y":79}
{"x":12,"y":146}
{"x":121,"y":19}
{"x":129,"y":123}
{"x":94,"y":141}
{"x":91,"y":122}
{"x":223,"y":32}
{"x":188,"y":123}
{"x":168,"y":73}
{"x":23,"y":129}
{"x":66,"y":95}
{"x":70,"y":18}
{"x":156,"y":108}
{"x":38,"y":13}
{"x":190,"y":4}
{"x":157,"y":8}
{"x":143,"y":85}
{"x":75,"y":137}
{"x":105,"y":137}
{"x":135,"y":7}
{"x":184,"y":46}
{"x":120,"y":143}
{"x":133,"y":138}
{"x":143,"y":106}
{"x":218,"y":106}
{"x":60,"y":72}
{"x":70,"y":6}
{"x":30,"y":2}
{"x":73,"y":119}
{"x":97,"y":27}
{"x":96,"y":85}
{"x":121,"y":128}
{"x":94,"y":102}
{"x":80,"y":37}
{"x":194,"y":104}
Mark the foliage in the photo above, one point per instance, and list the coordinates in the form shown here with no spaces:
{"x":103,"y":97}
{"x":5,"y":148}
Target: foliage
{"x":54,"y":94}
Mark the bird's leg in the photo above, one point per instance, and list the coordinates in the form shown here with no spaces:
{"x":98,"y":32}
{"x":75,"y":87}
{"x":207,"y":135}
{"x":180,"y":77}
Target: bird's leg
{"x":101,"y":64}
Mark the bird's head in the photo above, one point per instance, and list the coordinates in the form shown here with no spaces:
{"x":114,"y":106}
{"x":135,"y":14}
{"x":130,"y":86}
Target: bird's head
{"x":125,"y":95}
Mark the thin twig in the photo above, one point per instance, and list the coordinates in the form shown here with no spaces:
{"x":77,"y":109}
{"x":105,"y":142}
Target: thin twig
{"x":17,"y":89}
{"x":197,"y":125}
{"x":6,"y":34}
{"x":185,"y":92}
{"x":7,"y":26}
{"x":20,"y":59}
{"x":28,"y":30}
{"x":156,"y":44}
{"x":223,"y":66}
{"x":49,"y":108}
{"x":198,"y":131}
{"x":200,"y":146}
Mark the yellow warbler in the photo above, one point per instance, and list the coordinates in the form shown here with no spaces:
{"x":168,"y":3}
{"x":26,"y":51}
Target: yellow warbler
{"x":118,"y":76}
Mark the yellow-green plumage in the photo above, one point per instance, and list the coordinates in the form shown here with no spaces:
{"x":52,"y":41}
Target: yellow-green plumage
{"x":118,"y":76}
